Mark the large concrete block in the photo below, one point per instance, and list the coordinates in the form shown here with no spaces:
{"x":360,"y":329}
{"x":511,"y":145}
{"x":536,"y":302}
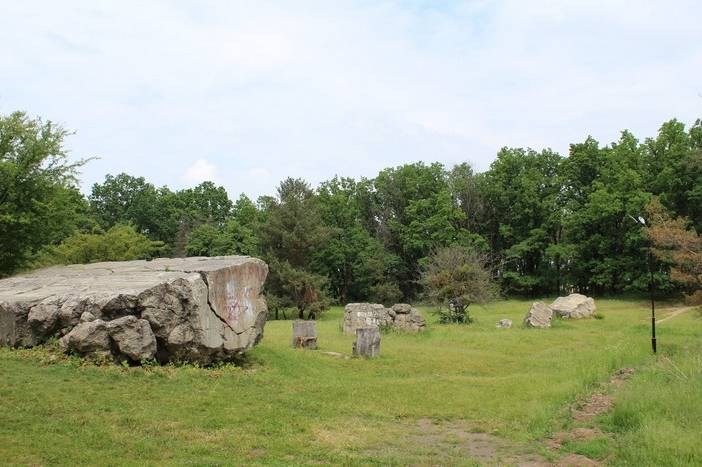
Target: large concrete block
{"x":196,"y":309}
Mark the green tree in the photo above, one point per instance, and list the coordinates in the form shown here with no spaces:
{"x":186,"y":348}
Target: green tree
{"x":123,"y":199}
{"x":413,"y":211}
{"x":291,"y":233}
{"x":605,"y":242}
{"x":245,"y":212}
{"x":39,"y":203}
{"x":523,"y":216}
{"x":206,"y":204}
{"x":675,"y":169}
{"x":468,"y":195}
{"x":159,"y":213}
{"x":230,"y":239}
{"x":293,"y":228}
{"x":296,"y":288}
{"x":356,"y":264}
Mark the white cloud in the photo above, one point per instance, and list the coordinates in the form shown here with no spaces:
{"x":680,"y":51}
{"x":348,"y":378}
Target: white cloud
{"x":200,"y":171}
{"x":343,"y":88}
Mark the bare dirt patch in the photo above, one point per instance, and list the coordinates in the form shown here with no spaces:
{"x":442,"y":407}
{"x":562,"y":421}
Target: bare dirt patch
{"x":583,"y":413}
{"x":600,"y":401}
{"x":451,"y":440}
{"x":576,"y":434}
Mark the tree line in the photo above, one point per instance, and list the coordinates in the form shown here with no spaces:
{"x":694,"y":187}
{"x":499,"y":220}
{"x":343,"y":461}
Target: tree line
{"x":548,"y":224}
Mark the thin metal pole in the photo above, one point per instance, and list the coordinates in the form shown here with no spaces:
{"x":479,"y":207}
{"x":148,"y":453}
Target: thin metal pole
{"x":653,"y":302}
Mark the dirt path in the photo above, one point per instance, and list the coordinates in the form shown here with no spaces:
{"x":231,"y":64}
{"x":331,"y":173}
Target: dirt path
{"x":457,"y":439}
{"x":583,"y":415}
{"x":674,"y":313}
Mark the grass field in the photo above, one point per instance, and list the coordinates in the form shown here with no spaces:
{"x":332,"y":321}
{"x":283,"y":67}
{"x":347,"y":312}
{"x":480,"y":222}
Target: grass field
{"x":451,"y":395}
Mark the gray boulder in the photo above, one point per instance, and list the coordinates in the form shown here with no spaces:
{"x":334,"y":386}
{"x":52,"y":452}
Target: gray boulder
{"x":538,"y":316}
{"x":174,"y":309}
{"x":574,"y":306}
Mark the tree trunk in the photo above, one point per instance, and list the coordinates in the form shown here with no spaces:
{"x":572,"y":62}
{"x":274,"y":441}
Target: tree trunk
{"x":304,"y":334}
{"x":367,"y":342}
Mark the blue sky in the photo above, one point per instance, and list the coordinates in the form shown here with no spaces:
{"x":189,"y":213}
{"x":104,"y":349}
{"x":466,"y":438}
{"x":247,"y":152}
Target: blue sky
{"x":247,"y":93}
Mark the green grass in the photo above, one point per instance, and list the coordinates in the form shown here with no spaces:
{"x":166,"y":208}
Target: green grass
{"x":288,"y":406}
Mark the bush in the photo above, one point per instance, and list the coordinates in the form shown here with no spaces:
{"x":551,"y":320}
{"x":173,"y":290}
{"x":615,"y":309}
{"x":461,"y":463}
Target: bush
{"x":451,"y":314}
{"x":455,"y":278}
{"x":120,"y":243}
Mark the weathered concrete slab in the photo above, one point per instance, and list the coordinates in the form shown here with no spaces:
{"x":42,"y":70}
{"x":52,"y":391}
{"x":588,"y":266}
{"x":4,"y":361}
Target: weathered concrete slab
{"x":400,"y":316}
{"x":195,"y":309}
{"x":364,"y":315}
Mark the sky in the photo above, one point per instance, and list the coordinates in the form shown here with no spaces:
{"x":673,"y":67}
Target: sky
{"x":248,"y":93}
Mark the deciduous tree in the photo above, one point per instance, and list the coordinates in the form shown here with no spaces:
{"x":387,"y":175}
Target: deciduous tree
{"x":39,"y":201}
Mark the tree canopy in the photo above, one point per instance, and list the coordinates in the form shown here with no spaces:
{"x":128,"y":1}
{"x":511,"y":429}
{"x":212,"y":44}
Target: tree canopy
{"x":550,"y":224}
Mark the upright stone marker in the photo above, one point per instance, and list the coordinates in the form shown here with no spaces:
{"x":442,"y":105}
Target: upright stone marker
{"x":304,"y":334}
{"x":367,"y":342}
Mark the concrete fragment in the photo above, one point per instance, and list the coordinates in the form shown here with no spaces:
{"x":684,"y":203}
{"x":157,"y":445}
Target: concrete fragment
{"x":539,"y":316}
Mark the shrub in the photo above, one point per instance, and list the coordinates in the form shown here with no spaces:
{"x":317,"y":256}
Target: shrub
{"x":455,"y":278}
{"x":120,"y":243}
